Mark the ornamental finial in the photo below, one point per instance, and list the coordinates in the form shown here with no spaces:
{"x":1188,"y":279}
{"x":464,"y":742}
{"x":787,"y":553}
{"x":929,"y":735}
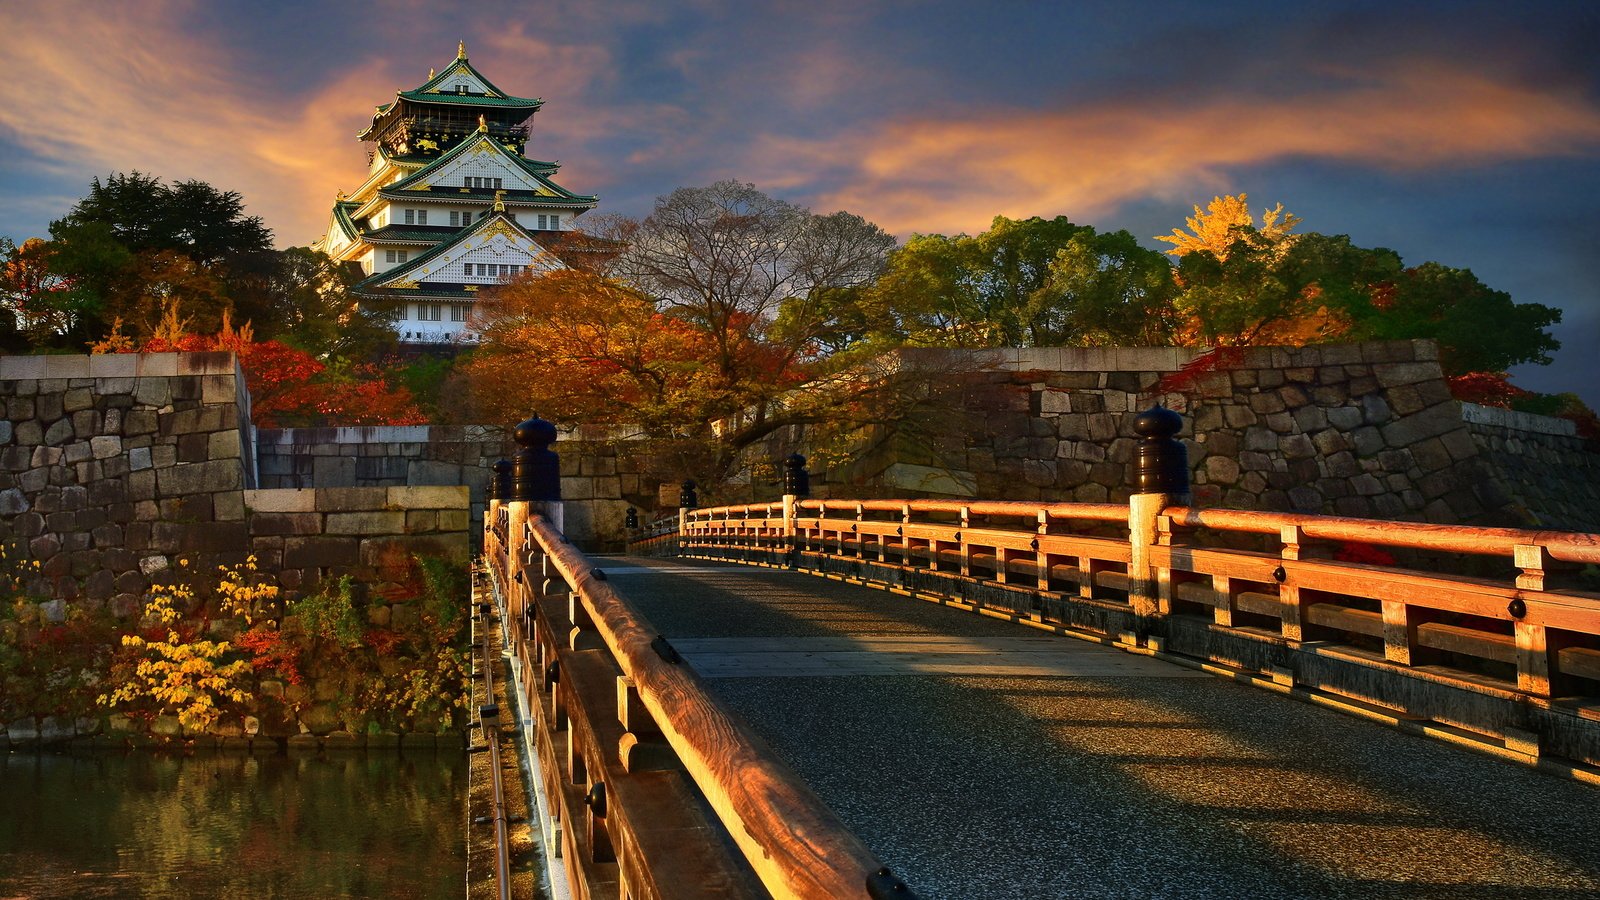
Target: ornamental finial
{"x":499,"y":201}
{"x":483,"y":124}
{"x":461,"y":50}
{"x":430,"y":73}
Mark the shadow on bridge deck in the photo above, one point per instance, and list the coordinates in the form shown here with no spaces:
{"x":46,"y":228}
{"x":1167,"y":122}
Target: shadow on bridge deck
{"x":981,"y":759}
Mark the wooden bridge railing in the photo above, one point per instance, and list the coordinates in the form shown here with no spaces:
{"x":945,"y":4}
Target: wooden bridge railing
{"x":1302,"y":589}
{"x":652,"y":782}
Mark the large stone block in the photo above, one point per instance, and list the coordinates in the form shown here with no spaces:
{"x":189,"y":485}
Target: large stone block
{"x":369,"y":522}
{"x":1434,"y":421}
{"x":277,"y":500}
{"x":351,"y":499}
{"x":320,"y":552}
{"x":427,"y":497}
{"x":200,"y":478}
{"x":289,"y":523}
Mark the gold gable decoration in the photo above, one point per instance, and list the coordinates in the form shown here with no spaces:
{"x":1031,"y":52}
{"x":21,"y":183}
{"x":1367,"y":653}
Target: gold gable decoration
{"x":409,"y":284}
{"x":499,"y":226}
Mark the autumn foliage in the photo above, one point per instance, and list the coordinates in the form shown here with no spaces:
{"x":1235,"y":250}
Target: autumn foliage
{"x":288,"y":386}
{"x":578,"y":347}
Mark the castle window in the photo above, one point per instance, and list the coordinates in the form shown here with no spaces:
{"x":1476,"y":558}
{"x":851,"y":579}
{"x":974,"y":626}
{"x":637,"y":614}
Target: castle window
{"x":458,"y":313}
{"x":455,"y":218}
{"x":542,"y":222}
{"x":555,"y":223}
{"x":403,"y":254}
{"x":411,"y":217}
{"x":429,"y":312}
{"x":469,"y":270}
{"x":422,"y":217}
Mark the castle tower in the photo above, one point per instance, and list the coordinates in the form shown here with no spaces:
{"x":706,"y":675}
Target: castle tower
{"x":450,"y":204}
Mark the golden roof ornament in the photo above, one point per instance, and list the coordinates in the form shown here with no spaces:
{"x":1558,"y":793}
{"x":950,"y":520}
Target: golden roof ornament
{"x":499,"y":201}
{"x":461,"y":50}
{"x":483,"y":124}
{"x":430,"y":73}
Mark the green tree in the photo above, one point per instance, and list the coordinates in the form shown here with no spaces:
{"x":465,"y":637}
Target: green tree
{"x":134,"y":242}
{"x":189,"y":217}
{"x":1479,"y":329}
{"x":1029,"y":282}
{"x":1273,"y":291}
{"x":1105,"y":289}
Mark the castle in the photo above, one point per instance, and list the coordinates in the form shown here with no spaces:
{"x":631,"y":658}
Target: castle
{"x":450,"y":204}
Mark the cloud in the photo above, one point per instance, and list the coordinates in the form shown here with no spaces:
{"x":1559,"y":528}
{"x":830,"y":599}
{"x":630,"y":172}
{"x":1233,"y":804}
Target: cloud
{"x":946,"y":174}
{"x":172,"y":102}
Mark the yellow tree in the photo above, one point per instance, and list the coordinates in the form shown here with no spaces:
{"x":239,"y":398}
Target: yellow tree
{"x":1226,"y":220}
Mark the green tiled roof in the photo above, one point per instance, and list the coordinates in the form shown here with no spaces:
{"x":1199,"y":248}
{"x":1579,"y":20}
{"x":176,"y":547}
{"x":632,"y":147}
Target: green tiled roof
{"x":458,"y":64}
{"x":534,"y":168}
{"x":410,"y":233}
{"x":445,"y":193}
{"x":341,"y":215}
{"x":472,"y":100}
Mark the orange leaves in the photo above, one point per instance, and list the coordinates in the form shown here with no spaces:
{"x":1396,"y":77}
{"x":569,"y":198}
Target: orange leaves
{"x":577,"y":347}
{"x":1486,"y":389}
{"x":288,"y":386}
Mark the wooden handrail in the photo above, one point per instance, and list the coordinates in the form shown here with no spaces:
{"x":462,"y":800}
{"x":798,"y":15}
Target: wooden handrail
{"x":1551,"y":632}
{"x":795,"y":844}
{"x":1562,"y":545}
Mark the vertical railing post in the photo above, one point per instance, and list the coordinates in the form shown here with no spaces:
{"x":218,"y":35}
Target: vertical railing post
{"x":687,"y":502}
{"x":1161,"y":479}
{"x":530,"y":485}
{"x":796,"y":484}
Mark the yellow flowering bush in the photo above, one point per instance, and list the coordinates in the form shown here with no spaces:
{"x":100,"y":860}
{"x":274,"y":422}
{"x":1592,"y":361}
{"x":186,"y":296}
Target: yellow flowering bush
{"x":168,"y":669}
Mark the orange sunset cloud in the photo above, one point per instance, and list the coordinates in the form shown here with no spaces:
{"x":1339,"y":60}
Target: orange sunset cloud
{"x":937,"y":174}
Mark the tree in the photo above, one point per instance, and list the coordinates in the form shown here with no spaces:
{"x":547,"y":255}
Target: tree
{"x":1033,"y":282}
{"x":133,"y":241}
{"x":580,"y":348}
{"x":309,"y":304}
{"x":1278,"y":292}
{"x":727,"y":257}
{"x":1246,"y":285}
{"x":1227,"y":219}
{"x":288,"y":386}
{"x":1479,"y":329}
{"x":39,"y":300}
{"x":188,"y":217}
{"x":1105,"y":289}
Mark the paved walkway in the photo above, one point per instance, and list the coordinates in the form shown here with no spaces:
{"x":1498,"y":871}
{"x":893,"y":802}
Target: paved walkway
{"x":981,"y":759}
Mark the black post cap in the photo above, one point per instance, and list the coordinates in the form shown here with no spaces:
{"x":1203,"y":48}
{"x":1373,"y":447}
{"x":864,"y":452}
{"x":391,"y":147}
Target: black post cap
{"x":1161,"y":460}
{"x":796,"y":480}
{"x":536,"y":471}
{"x":633,"y":518}
{"x":686,"y":495}
{"x":499,"y":487}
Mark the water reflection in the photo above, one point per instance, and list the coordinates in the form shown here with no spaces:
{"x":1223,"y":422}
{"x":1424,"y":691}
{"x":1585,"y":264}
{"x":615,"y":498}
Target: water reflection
{"x":143,"y":825}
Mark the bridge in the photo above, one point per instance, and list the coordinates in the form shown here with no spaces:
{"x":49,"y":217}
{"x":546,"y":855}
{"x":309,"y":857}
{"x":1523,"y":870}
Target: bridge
{"x":897,"y":698}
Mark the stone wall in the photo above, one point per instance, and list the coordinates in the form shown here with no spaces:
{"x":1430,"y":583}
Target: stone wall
{"x":112,"y":467}
{"x":1551,"y":474}
{"x":382,"y":456}
{"x":598,"y":483}
{"x":307,"y":536}
{"x":110,"y":463}
{"x":1366,"y":430}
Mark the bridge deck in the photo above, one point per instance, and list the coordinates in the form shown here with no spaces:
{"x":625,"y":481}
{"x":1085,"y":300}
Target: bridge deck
{"x":981,"y":759}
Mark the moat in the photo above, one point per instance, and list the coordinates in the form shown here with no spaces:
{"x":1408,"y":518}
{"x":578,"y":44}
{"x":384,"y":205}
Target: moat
{"x":150,"y":825}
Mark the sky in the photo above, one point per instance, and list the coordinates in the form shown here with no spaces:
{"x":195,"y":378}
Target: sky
{"x":1460,"y":132}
